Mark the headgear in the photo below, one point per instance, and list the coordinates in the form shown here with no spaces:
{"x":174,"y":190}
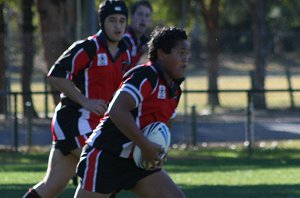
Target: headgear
{"x":109,"y":7}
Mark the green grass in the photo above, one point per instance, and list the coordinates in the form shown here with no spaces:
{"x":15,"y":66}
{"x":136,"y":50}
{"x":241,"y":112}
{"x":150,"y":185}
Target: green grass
{"x":212,"y":172}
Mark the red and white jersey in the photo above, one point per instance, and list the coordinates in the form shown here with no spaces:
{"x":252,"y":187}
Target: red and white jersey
{"x":155,"y":100}
{"x":137,"y":46}
{"x":90,"y":66}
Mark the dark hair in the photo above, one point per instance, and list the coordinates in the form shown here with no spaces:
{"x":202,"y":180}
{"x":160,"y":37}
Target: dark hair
{"x":164,"y":38}
{"x":137,"y":4}
{"x":109,"y":7}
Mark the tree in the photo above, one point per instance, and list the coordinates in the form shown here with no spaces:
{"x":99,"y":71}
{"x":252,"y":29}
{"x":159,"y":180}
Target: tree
{"x":195,"y":35}
{"x":211,"y":13}
{"x":57,"y":22}
{"x":257,"y":11}
{"x":2,"y":59}
{"x":28,"y":55}
{"x":90,"y":23}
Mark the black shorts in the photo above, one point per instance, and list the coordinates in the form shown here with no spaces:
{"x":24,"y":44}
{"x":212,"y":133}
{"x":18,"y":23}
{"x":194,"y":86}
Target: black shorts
{"x":105,"y":173}
{"x":67,"y":145}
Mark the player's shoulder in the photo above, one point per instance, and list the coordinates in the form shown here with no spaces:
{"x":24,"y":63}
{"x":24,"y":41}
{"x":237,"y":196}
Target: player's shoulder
{"x":128,"y":38}
{"x":143,"y":72}
{"x":84,"y":42}
{"x":124,"y":44}
{"x":88,"y":45}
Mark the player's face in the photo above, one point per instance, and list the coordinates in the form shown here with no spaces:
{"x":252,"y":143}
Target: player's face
{"x":141,"y":19}
{"x":115,"y":26}
{"x":176,"y":62}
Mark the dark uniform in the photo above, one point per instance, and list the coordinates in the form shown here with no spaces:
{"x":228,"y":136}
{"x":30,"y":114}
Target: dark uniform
{"x":92,"y":69}
{"x":137,"y":46}
{"x":106,"y":164}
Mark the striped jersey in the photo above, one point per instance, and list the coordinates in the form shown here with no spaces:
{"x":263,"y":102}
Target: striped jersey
{"x":155,"y":100}
{"x":137,"y":46}
{"x":91,"y":67}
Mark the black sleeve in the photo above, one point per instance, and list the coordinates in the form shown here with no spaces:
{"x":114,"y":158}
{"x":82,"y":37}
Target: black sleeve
{"x":77,"y":57}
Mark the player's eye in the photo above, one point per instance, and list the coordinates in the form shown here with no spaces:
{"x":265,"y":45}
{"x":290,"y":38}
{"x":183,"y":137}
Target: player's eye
{"x":112,"y":20}
{"x":123,"y":20}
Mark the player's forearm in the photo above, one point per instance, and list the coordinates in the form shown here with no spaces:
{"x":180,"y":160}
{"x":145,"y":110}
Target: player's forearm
{"x":125,"y":122}
{"x":68,"y":88}
{"x":123,"y":119}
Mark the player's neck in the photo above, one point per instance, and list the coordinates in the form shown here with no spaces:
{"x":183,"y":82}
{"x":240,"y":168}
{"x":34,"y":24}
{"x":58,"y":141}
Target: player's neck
{"x":165,"y":74}
{"x":137,"y":33}
{"x":112,"y":47}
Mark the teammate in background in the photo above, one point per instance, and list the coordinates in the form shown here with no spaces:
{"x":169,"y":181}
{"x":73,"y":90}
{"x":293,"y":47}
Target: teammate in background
{"x":149,"y":93}
{"x":88,"y":73}
{"x":141,"y":13}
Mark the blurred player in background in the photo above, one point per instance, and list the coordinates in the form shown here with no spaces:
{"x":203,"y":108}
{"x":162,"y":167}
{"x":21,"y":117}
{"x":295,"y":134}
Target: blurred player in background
{"x":149,"y":93}
{"x":88,"y":73}
{"x":141,"y":18}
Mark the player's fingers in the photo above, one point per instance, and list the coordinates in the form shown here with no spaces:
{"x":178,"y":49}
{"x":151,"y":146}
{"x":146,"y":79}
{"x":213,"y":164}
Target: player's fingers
{"x":100,"y":109}
{"x":96,"y":112}
{"x":104,"y":105}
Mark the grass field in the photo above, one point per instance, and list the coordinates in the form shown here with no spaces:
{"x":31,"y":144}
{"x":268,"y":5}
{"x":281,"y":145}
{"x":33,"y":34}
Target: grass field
{"x":271,"y":172}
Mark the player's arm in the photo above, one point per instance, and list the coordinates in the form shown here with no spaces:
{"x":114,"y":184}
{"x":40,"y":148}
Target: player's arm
{"x":120,"y":113}
{"x":66,"y":86}
{"x":72,"y":61}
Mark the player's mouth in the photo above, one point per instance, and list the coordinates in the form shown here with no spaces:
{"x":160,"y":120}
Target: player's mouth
{"x":118,"y":33}
{"x":181,"y":68}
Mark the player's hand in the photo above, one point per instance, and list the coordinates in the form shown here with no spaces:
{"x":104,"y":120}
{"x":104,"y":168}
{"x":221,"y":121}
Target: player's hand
{"x":151,"y":155}
{"x":96,"y":106}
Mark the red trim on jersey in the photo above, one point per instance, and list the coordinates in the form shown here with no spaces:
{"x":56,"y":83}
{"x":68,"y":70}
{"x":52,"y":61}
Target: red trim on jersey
{"x":136,"y":50}
{"x":54,"y":138}
{"x":91,"y":169}
{"x":81,"y":140}
{"x":93,"y":71}
{"x":79,"y":62}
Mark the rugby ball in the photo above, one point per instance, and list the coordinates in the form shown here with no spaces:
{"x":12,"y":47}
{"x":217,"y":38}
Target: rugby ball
{"x":158,"y":133}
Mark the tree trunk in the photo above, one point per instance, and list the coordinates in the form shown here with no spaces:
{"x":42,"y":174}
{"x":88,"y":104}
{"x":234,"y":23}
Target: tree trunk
{"x":90,"y":25}
{"x":259,"y":30}
{"x":28,"y":56}
{"x":3,"y":63}
{"x":196,"y":47}
{"x":213,"y":66}
{"x":57,"y":19}
{"x":211,"y":18}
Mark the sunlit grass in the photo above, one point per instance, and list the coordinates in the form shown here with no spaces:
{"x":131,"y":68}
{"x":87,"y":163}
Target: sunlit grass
{"x":237,"y":100}
{"x":232,"y":100}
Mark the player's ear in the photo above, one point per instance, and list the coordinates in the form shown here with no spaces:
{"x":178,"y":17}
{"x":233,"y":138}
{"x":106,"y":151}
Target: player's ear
{"x":161,"y":55}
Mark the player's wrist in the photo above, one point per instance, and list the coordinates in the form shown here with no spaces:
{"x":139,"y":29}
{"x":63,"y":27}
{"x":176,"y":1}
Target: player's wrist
{"x":82,"y":100}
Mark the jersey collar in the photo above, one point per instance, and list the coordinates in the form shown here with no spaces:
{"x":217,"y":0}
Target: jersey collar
{"x":173,"y":86}
{"x":122,"y":45}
